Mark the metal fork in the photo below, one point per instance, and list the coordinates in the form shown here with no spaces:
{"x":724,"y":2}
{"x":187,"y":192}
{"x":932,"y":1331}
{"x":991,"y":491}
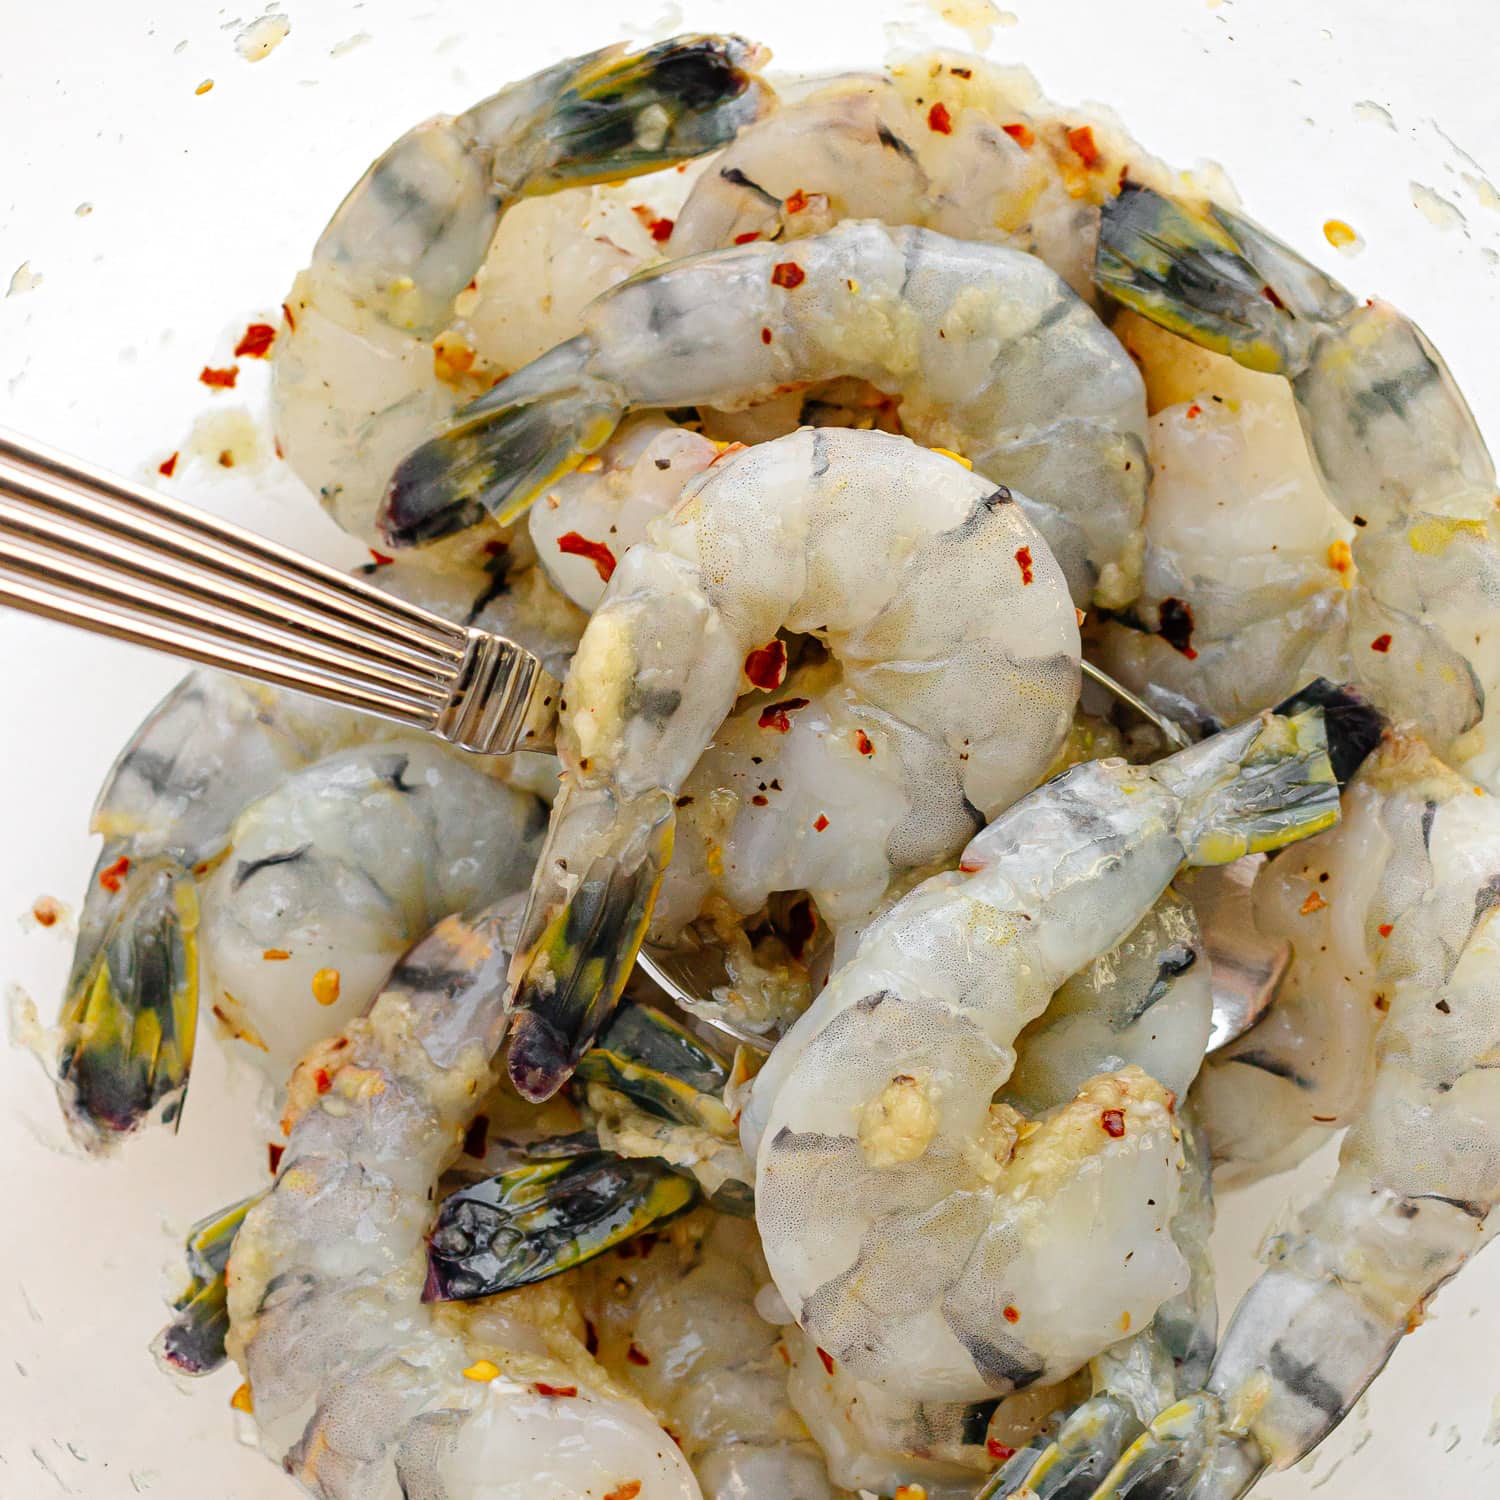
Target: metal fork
{"x":92,"y":550}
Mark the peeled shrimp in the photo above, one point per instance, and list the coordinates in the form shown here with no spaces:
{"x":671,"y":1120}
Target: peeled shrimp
{"x":360,"y":1388}
{"x":943,"y":1248}
{"x":361,"y":374}
{"x":957,"y":642}
{"x":1419,"y":1171}
{"x":991,"y":353}
{"x":1395,"y":445}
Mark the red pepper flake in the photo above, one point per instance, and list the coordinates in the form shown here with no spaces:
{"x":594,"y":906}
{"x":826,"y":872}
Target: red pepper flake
{"x":381,"y":560}
{"x":543,"y":1389}
{"x":997,"y":1450}
{"x":590,"y":1336}
{"x":1023,"y":135}
{"x":627,"y":1491}
{"x":1176,"y":626}
{"x":1269,"y":293}
{"x":322,"y":1081}
{"x":727,"y":451}
{"x":748,"y":237}
{"x":1194,"y":411}
{"x":775,"y":716}
{"x":1023,"y":561}
{"x":964,"y":868}
{"x":274,"y":1153}
{"x":1313,"y":903}
{"x":637,"y":1356}
{"x":795,"y":202}
{"x":168,"y":465}
{"x":1010,"y":1314}
{"x":765,"y":335}
{"x":275,"y":955}
{"x":659,"y":229}
{"x":219,"y":379}
{"x":788,"y":273}
{"x":863,"y":743}
{"x":1385,"y":929}
{"x":477,"y":1137}
{"x":820,"y":823}
{"x":759,"y":801}
{"x":1113,"y":1122}
{"x":1081,"y":140}
{"x":1381,"y":643}
{"x":226,"y":458}
{"x":573,"y":544}
{"x":110,"y":878}
{"x":45,"y":911}
{"x":939,"y":119}
{"x":255,"y":341}
{"x":496,"y":547}
{"x":286,"y":313}
{"x":766,"y":665}
{"x":827,"y":1359}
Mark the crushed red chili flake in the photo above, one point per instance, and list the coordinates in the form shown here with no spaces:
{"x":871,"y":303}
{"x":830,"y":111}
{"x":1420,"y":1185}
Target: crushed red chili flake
{"x":1010,"y":1314}
{"x":381,"y":560}
{"x":863,"y":743}
{"x":1176,"y":626}
{"x":727,"y":451}
{"x":168,"y":465}
{"x":759,"y":801}
{"x":627,"y":1491}
{"x":590,"y":1336}
{"x":1023,"y":135}
{"x":801,"y":923}
{"x":1023,"y":561}
{"x":820,"y":823}
{"x":765,"y":335}
{"x":574,"y":544}
{"x":788,"y":274}
{"x":226,"y":458}
{"x":1313,"y":903}
{"x":1381,"y":643}
{"x":1081,"y":140}
{"x":255,"y":341}
{"x":477,"y":1137}
{"x":1113,"y":1122}
{"x":658,"y":228}
{"x":274,"y":1153}
{"x":543,"y":1389}
{"x":219,"y":379}
{"x":1194,"y":411}
{"x":286,"y":313}
{"x":775,"y":715}
{"x":795,"y":201}
{"x":111,"y":877}
{"x":322,"y":1080}
{"x":827,"y":1359}
{"x":766,"y":665}
{"x":748,"y":236}
{"x":1269,"y":293}
{"x":495,"y":547}
{"x":275,"y":955}
{"x":45,"y":911}
{"x":939,"y":119}
{"x":1386,"y":929}
{"x":997,"y":1450}
{"x":637,"y":1356}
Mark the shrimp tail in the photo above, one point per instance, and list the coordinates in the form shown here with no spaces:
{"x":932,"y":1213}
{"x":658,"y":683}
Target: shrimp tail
{"x":1215,"y":278}
{"x":623,"y":112}
{"x":502,"y":450}
{"x":1184,"y":1453}
{"x":580,"y":939}
{"x":1255,"y":787}
{"x":130,"y":1011}
{"x":1353,"y":725}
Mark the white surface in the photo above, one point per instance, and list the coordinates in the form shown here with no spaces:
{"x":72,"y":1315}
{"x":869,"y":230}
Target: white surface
{"x":203,"y":207}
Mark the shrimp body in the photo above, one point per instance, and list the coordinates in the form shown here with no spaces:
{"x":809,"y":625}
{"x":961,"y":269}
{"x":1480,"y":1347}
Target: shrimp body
{"x":908,"y":567}
{"x":939,"y":1246}
{"x":330,"y":877}
{"x":360,"y":1387}
{"x":1395,"y":445}
{"x":1419,"y":1170}
{"x":361,"y":375}
{"x":990,"y":352}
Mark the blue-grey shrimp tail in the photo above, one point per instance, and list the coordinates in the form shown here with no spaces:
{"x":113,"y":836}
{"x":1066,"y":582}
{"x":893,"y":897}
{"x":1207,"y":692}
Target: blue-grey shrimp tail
{"x":1254,"y":787}
{"x":129,"y":1015}
{"x":1352,"y":724}
{"x":622,"y":113}
{"x":1215,"y":278}
{"x":500,"y":452}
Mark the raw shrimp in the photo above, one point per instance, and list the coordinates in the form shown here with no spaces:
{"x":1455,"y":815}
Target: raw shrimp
{"x":360,"y":1388}
{"x":329,"y":877}
{"x":1419,"y":1171}
{"x":360,"y":375}
{"x":991,"y":353}
{"x":943,"y":606}
{"x":1396,"y":447}
{"x":943,"y":1248}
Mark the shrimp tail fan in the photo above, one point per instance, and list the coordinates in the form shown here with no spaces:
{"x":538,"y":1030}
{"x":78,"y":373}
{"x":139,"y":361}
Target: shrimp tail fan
{"x":501,"y":451}
{"x":1352,"y":724}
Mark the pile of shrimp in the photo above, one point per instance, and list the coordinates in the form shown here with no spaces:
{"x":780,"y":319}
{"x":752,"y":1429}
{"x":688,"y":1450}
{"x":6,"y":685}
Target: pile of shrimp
{"x":821,"y":440}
